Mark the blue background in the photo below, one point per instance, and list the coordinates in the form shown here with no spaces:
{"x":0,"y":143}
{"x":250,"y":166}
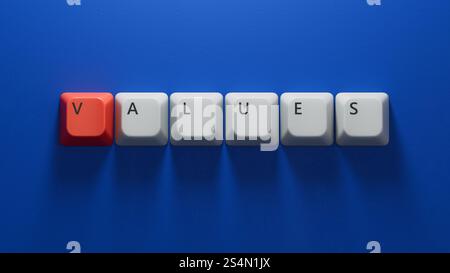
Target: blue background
{"x":177,"y":199}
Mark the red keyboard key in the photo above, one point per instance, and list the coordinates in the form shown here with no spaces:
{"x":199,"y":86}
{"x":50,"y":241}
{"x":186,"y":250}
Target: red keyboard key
{"x":86,"y":119}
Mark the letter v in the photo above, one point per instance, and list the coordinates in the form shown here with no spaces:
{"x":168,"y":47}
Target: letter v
{"x":77,"y":111}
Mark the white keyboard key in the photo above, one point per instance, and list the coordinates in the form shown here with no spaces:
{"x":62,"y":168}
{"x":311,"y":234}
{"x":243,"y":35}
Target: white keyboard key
{"x":141,"y":119}
{"x":251,"y":118}
{"x":307,"y":119}
{"x":362,"y":119}
{"x":196,"y":119}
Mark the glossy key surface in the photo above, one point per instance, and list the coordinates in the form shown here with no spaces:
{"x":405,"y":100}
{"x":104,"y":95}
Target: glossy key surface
{"x":86,"y":119}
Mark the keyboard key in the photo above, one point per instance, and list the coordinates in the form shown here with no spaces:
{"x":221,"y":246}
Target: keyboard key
{"x":362,"y":119}
{"x":86,"y":119}
{"x":307,"y":119}
{"x":141,"y":119}
{"x":251,"y":118}
{"x":196,"y":119}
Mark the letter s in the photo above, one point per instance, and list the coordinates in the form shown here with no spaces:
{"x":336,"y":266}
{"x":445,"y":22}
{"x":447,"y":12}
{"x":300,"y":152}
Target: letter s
{"x":353,"y":106}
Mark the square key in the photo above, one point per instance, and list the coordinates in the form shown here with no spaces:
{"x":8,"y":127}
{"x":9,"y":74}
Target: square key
{"x":86,"y":119}
{"x":362,"y":119}
{"x":251,"y":118}
{"x":307,"y":119}
{"x":142,"y":119}
{"x":196,"y":119}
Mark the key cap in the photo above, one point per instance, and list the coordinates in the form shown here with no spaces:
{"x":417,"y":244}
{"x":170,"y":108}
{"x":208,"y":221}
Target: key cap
{"x":86,"y":119}
{"x":142,"y":119}
{"x":196,"y":119}
{"x":362,"y":119}
{"x":250,"y":118}
{"x":307,"y":119}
